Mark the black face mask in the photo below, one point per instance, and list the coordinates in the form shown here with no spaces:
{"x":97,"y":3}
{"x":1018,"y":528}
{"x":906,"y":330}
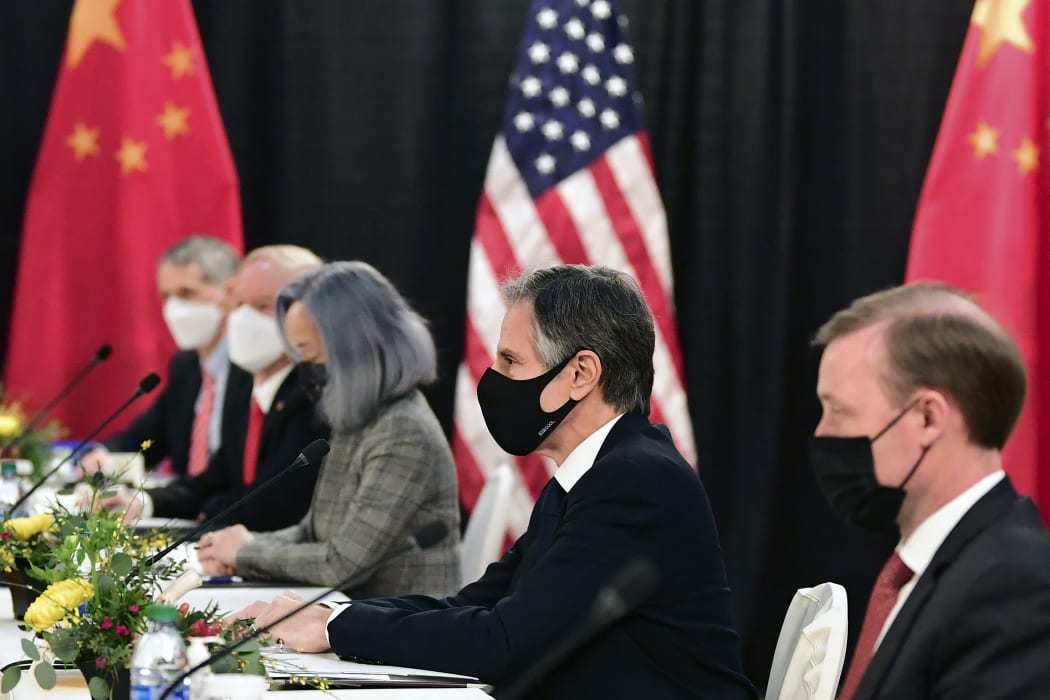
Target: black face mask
{"x":313,"y":376}
{"x":512,"y":411}
{"x":845,"y":471}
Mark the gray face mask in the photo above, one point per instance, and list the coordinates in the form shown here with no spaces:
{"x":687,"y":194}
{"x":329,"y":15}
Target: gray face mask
{"x":845,"y":471}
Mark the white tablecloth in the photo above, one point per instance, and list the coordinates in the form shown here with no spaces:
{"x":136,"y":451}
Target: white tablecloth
{"x":71,"y":684}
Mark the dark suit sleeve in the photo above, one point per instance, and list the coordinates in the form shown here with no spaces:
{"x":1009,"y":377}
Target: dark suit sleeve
{"x":151,"y":424}
{"x":184,"y":497}
{"x":999,"y":647}
{"x":609,"y":517}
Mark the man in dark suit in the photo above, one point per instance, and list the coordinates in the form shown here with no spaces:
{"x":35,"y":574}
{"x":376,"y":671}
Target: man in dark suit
{"x":571,"y":381}
{"x":920,"y":389}
{"x":268,"y":417}
{"x":184,"y":423}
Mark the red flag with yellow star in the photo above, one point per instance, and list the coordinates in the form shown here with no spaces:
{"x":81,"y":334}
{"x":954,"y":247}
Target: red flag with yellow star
{"x":133,"y":159}
{"x":983,"y":221}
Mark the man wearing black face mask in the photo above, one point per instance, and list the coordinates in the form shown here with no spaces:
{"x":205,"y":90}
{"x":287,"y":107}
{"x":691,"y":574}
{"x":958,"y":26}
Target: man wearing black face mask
{"x":571,"y":381}
{"x":920,"y":389}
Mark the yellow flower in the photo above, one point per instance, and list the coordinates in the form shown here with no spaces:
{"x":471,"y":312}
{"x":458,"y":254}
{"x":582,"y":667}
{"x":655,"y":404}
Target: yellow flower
{"x":58,"y":601}
{"x":24,"y":528}
{"x":7,"y":561}
{"x":9,"y":425}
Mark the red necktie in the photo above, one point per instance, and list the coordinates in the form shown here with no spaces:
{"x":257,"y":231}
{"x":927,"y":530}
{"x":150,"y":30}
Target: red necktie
{"x":883,"y":597}
{"x":199,"y":450}
{"x":251,"y":441}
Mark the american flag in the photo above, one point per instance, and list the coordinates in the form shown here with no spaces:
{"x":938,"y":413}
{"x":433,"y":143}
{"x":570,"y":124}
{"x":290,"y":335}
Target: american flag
{"x":570,"y":180}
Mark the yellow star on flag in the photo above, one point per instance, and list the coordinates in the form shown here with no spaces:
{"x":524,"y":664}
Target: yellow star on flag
{"x":985,"y":140}
{"x":173,"y":120}
{"x":91,"y":21}
{"x":1027,"y":156}
{"x":1001,"y":23}
{"x":180,"y":60}
{"x":83,"y":141}
{"x":132,"y":156}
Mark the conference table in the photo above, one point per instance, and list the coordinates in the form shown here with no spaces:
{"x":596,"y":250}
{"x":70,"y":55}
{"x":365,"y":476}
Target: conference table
{"x":71,"y":685}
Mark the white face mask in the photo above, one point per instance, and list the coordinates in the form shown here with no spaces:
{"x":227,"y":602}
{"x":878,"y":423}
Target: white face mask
{"x":193,"y":324}
{"x":255,"y":340}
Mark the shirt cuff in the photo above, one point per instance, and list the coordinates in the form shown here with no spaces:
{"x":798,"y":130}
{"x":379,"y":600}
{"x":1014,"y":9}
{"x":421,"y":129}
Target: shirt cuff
{"x":337,"y":609}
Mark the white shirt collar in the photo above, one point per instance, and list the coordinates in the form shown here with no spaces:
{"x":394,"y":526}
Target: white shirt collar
{"x":218,"y":361}
{"x":582,"y":458}
{"x":917,"y":551}
{"x":266,"y":392}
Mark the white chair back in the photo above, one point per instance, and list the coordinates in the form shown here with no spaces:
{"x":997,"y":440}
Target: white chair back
{"x":487,"y":527}
{"x":812,"y":645}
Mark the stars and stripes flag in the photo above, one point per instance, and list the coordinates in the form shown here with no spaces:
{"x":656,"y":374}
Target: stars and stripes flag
{"x":570,"y":180}
{"x":983,"y":220}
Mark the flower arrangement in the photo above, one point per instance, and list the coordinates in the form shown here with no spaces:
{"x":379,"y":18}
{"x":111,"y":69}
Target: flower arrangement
{"x":25,"y":542}
{"x":34,"y":445}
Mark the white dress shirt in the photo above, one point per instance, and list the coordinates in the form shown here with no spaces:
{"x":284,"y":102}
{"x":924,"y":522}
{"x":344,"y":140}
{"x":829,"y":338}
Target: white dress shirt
{"x":265,"y":392}
{"x":918,"y":549}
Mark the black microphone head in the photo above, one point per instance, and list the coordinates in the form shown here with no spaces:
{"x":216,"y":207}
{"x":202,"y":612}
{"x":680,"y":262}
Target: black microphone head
{"x":103,"y":352}
{"x":149,"y":382}
{"x":628,"y":589}
{"x":429,"y":535}
{"x":314,"y":452}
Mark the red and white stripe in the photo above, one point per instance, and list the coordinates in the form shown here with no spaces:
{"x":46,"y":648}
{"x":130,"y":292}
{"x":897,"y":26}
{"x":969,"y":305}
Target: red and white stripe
{"x":610,"y":214}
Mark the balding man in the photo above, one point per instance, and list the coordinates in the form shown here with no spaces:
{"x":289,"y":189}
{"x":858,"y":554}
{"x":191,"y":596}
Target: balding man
{"x":920,"y":389}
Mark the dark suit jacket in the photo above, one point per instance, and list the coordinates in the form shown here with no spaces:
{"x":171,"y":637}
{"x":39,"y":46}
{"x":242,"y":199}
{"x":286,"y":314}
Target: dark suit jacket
{"x":168,"y":422}
{"x":977,"y":624}
{"x":639,"y":500}
{"x":291,"y":425}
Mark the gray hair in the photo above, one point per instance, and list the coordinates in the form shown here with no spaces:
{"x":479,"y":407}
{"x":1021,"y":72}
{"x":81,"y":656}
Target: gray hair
{"x":377,"y":348}
{"x":579,"y":307}
{"x":216,"y":259}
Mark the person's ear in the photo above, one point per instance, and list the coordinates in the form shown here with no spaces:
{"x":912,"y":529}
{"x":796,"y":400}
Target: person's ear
{"x":934,"y":412}
{"x":586,"y":372}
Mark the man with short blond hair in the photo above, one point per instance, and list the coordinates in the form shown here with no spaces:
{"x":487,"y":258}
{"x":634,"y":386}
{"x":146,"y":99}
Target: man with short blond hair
{"x":920,"y":389}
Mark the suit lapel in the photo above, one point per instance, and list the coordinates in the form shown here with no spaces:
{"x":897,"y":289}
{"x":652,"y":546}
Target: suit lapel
{"x":991,"y":507}
{"x":285,"y":402}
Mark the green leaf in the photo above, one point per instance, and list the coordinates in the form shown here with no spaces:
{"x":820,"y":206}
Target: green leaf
{"x":12,"y":675}
{"x":64,"y":647}
{"x":247,"y":648}
{"x":30,"y":649}
{"x":120,"y":564}
{"x":99,"y":688}
{"x":105,"y":584}
{"x":45,"y":675}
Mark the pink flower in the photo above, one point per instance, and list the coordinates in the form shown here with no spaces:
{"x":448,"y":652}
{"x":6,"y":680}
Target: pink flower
{"x":133,"y":608}
{"x":106,"y":624}
{"x":100,"y":662}
{"x":5,"y":535}
{"x":122,"y":631}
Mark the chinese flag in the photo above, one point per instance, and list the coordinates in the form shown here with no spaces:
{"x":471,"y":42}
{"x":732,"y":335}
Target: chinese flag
{"x":983,"y":221}
{"x":134,"y":158}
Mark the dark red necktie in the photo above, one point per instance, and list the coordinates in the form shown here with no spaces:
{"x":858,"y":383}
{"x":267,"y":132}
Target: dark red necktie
{"x":883,"y":597}
{"x":251,"y":442}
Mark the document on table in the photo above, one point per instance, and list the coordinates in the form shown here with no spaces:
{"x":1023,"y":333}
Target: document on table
{"x":282,"y":666}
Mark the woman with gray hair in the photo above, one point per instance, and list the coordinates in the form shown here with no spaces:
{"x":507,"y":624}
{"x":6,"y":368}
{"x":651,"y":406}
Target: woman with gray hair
{"x":364,"y":352}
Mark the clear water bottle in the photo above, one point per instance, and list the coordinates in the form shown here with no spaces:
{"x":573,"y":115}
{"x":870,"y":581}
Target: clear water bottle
{"x":10,"y":489}
{"x":159,"y":658}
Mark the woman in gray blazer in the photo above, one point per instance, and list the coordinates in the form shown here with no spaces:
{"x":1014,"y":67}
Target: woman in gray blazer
{"x":364,"y":352}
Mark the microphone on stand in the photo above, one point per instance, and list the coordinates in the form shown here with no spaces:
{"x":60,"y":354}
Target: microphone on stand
{"x":311,"y":454}
{"x":423,"y":538}
{"x":148,"y":384}
{"x":101,"y":354}
{"x":629,"y":587}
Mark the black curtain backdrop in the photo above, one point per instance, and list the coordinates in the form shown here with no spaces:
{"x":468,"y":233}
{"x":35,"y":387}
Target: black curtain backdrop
{"x":790,"y":139}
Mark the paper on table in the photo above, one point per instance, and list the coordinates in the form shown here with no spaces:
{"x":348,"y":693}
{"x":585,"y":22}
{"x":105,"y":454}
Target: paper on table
{"x":283,"y":665}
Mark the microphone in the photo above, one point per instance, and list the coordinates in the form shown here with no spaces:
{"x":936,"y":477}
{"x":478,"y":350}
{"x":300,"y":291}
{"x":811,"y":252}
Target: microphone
{"x":629,"y":587}
{"x":311,"y":454}
{"x":148,"y":384}
{"x":101,"y":354}
{"x":421,"y":539}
